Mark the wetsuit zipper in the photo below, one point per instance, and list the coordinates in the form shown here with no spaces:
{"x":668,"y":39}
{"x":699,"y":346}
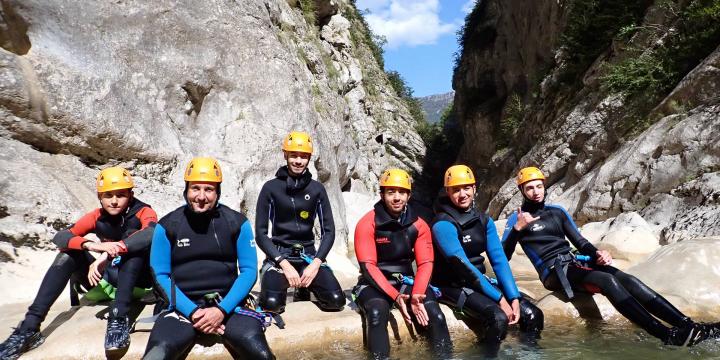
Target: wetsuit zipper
{"x":297,"y":225}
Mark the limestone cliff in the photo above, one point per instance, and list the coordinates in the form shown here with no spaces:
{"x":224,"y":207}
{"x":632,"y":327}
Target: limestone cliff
{"x":148,"y":85}
{"x":616,"y":101}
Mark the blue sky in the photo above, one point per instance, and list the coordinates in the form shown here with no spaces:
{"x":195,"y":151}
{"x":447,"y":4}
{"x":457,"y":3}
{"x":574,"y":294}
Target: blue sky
{"x":421,"y":38}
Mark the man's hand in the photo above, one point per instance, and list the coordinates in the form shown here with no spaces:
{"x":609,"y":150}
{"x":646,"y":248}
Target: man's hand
{"x":400,"y":302}
{"x":523,"y":219}
{"x":209,"y":320}
{"x":95,"y":272}
{"x":112,"y":248}
{"x":310,"y":272}
{"x":604,"y":257}
{"x":290,"y":273}
{"x":418,"y":308}
{"x":512,"y":312}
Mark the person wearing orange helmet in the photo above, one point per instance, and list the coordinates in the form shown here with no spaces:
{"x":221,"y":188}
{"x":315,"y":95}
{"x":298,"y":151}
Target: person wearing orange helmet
{"x":387,"y":241}
{"x":124,"y":226}
{"x":205,"y":264}
{"x":542,"y":229}
{"x":462,"y":235}
{"x":291,"y":202}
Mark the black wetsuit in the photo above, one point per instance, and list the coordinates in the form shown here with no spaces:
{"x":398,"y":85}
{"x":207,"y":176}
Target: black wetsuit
{"x":292,"y":204}
{"x":544,"y":243}
{"x":195,"y":259}
{"x":133,"y":228}
{"x":460,"y":239}
{"x":386,"y":248}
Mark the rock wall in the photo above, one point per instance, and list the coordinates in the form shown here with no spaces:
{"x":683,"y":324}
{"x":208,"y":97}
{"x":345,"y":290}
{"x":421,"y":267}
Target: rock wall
{"x":150,"y":85}
{"x":524,"y":100}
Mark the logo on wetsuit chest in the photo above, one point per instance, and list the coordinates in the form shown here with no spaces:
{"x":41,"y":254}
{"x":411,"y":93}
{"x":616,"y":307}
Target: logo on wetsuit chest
{"x":307,"y":197}
{"x":382,"y":240}
{"x":304,"y":214}
{"x":537,"y":227}
{"x":466,"y":239}
{"x":183,"y":242}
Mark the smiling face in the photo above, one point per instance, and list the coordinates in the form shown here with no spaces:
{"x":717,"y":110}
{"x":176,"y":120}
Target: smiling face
{"x":395,"y":199}
{"x":202,"y":196}
{"x":534,"y":190}
{"x":461,"y":196}
{"x":297,"y":162}
{"x":115,"y":201}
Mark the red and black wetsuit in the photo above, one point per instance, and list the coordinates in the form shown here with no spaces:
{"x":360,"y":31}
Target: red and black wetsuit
{"x":386,"y":246}
{"x":133,"y":228}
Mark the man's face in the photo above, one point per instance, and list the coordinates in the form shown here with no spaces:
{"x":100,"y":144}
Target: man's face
{"x":395,"y":199}
{"x":202,"y":196}
{"x":461,"y":196}
{"x":115,"y":201}
{"x":297,"y":162}
{"x":534,"y":190}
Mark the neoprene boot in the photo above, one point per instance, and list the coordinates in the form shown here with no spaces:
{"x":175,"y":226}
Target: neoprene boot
{"x":117,"y":336}
{"x":686,"y":336}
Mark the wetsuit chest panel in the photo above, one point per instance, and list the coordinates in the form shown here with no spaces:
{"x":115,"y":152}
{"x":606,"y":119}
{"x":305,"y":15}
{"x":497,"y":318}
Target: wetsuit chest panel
{"x":472,"y":236}
{"x":204,"y":252}
{"x":395,"y":245}
{"x":293,"y":212}
{"x":118,"y":227}
{"x":545,"y":237}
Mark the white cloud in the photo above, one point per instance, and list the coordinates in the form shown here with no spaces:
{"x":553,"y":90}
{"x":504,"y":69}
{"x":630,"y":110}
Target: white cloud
{"x":407,"y":22}
{"x":468,"y":6}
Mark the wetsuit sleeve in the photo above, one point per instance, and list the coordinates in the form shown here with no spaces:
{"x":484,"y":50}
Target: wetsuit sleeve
{"x":446,"y":238}
{"x":162,"y":269}
{"x":510,"y":236}
{"x":73,"y":238}
{"x":327,"y":225}
{"x":247,"y":263}
{"x":500,"y":263}
{"x":263,"y":213}
{"x":573,"y":234}
{"x":140,"y":240}
{"x":366,"y":253}
{"x":424,"y":256}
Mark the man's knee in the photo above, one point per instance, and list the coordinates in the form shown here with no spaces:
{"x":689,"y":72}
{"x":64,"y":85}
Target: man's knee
{"x":435,"y":314}
{"x":273,"y":301}
{"x":531,"y":317}
{"x":376,"y":313}
{"x":331,"y":300}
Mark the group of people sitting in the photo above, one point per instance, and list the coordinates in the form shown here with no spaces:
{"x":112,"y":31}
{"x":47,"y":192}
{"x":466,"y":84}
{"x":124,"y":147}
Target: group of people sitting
{"x":202,"y":262}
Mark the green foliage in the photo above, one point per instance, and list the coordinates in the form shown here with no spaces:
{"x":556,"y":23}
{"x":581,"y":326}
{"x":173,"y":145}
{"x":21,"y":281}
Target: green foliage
{"x":514,"y":112}
{"x":363,"y":34}
{"x":647,"y":75}
{"x":478,"y":34}
{"x":405,"y":93}
{"x":591,"y":26}
{"x":308,"y":9}
{"x":654,"y":72}
{"x":443,"y":141}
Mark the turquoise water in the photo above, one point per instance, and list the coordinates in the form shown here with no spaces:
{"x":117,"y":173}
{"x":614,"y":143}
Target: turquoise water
{"x":575,"y":340}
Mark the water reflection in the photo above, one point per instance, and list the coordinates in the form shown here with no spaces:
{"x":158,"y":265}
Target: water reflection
{"x":571,"y":340}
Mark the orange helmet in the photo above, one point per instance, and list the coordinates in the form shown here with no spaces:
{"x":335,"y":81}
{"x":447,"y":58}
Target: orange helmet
{"x":203,"y":169}
{"x":396,"y":178}
{"x":298,"y":141}
{"x":529,"y":174}
{"x":114,"y":178}
{"x":459,"y":175}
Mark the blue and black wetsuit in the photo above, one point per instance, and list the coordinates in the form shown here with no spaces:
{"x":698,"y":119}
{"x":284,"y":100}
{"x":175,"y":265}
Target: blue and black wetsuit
{"x":544,"y":243}
{"x":133,"y":228}
{"x":292,"y":204}
{"x":195,"y":258}
{"x":460,"y":239}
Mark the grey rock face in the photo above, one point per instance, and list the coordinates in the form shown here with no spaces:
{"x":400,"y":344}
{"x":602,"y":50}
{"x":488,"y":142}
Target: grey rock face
{"x":575,"y":135}
{"x":149,"y":85}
